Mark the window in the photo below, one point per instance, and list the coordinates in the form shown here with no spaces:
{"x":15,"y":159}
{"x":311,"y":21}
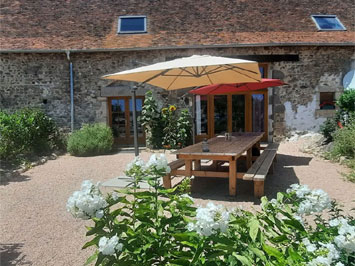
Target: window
{"x":326,"y":100}
{"x":132,"y":24}
{"x":328,"y":22}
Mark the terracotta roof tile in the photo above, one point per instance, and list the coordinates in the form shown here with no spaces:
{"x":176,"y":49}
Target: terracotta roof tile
{"x":92,"y":24}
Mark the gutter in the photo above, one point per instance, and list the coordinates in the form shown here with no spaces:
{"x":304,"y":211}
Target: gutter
{"x":71,"y":91}
{"x":345,"y":44}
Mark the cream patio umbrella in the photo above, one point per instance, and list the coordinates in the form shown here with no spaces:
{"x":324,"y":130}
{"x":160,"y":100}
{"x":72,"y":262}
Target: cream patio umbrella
{"x":194,"y":71}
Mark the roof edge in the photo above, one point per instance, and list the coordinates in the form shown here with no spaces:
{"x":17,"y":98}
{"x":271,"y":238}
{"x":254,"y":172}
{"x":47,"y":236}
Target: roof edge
{"x":343,"y":44}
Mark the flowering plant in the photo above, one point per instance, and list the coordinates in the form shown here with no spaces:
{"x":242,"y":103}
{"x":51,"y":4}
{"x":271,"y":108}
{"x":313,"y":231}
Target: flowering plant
{"x":162,"y":227}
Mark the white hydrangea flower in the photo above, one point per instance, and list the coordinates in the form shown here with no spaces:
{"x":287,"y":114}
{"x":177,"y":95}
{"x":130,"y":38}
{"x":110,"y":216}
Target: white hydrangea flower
{"x":137,"y":161}
{"x":309,"y":246}
{"x":99,"y":214}
{"x":346,"y":238}
{"x":114,"y":195}
{"x":109,"y":246}
{"x":332,"y":254}
{"x":339,"y":264}
{"x":313,"y":201}
{"x":86,"y":202}
{"x":320,"y":260}
{"x":160,"y":163}
{"x":334,"y":222}
{"x":210,"y":219}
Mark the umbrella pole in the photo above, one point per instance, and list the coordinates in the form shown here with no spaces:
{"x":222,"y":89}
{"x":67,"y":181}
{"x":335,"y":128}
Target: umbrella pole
{"x":193,"y":119}
{"x":135,"y":128}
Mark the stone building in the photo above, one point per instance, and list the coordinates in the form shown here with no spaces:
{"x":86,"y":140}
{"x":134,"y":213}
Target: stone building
{"x":52,"y":48}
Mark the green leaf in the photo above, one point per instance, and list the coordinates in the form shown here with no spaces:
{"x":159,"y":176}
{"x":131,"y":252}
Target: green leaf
{"x":91,"y":258}
{"x":215,"y":254}
{"x":190,"y":244}
{"x":271,"y":251}
{"x":253,"y":228}
{"x":100,"y":258}
{"x":223,"y":240}
{"x":258,"y":253}
{"x":95,"y":241}
{"x":243,"y":260}
{"x":295,"y":224}
{"x":180,"y":262}
{"x":280,"y":197}
{"x":294,"y":255}
{"x":279,"y":239}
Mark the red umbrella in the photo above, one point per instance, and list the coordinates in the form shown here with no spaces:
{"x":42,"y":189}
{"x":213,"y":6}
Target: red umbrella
{"x":228,"y":88}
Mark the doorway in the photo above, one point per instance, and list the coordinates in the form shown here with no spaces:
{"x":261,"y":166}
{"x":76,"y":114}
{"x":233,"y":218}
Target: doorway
{"x":239,"y":112}
{"x":121,"y":119}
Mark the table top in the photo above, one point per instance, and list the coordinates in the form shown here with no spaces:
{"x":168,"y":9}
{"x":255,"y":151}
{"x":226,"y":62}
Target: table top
{"x":218,"y":146}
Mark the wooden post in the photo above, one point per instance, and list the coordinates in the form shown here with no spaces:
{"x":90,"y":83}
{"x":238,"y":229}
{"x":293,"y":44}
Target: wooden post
{"x":188,"y":167}
{"x":167,"y":181}
{"x":258,"y":189}
{"x":232,"y":177}
{"x":249,"y":158}
{"x":197,"y":164}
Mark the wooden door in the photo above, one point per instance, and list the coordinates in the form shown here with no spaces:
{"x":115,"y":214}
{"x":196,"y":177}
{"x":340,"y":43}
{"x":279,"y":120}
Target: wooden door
{"x":121,"y":119}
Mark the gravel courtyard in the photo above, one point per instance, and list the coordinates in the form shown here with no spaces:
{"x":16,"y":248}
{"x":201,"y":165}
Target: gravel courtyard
{"x":35,"y":228}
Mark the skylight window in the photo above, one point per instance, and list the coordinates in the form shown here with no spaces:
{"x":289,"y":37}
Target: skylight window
{"x":132,"y":24}
{"x":328,"y":22}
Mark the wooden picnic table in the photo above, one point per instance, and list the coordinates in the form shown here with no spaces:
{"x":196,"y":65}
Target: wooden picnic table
{"x":220,"y":150}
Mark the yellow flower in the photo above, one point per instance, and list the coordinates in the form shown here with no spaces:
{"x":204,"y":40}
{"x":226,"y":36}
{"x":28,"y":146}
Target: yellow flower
{"x":172,"y":108}
{"x":164,"y":110}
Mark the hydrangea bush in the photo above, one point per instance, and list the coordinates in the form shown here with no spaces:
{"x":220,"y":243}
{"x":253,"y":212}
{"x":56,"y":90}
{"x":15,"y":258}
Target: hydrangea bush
{"x":162,"y":227}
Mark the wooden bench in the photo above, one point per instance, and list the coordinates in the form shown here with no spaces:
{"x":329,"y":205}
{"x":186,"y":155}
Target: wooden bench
{"x":174,"y":165}
{"x":261,"y":167}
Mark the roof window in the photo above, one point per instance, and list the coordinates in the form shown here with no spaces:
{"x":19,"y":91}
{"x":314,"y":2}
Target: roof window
{"x":132,"y":24}
{"x":328,"y":22}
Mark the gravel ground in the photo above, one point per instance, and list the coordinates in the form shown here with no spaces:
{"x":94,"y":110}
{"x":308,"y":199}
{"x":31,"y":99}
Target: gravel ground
{"x":35,"y":228}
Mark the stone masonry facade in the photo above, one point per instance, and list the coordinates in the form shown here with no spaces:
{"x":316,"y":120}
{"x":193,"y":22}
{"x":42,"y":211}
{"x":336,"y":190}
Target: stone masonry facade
{"x":42,"y":80}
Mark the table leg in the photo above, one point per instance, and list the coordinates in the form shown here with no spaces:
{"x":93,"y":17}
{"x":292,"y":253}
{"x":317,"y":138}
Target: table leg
{"x":232,"y":177}
{"x":188,"y":167}
{"x":197,"y":165}
{"x":249,"y":158}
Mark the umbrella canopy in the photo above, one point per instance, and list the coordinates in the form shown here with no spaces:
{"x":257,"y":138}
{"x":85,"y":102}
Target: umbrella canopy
{"x":197,"y":70}
{"x":230,"y":88}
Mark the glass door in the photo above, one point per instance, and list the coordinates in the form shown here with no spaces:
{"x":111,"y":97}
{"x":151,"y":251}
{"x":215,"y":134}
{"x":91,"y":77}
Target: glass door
{"x":121,"y":119}
{"x":258,"y":113}
{"x":238,"y":113}
{"x":220,"y":114}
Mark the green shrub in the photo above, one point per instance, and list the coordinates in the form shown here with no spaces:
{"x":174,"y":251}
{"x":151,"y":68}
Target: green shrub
{"x":344,"y":142}
{"x":91,"y":140}
{"x":160,"y":226}
{"x":328,"y":128}
{"x":346,"y":101}
{"x":26,"y":132}
{"x":151,"y":121}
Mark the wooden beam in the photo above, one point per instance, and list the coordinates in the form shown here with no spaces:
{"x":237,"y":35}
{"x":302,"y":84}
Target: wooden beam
{"x":258,"y":189}
{"x":249,"y":158}
{"x":232,"y":177}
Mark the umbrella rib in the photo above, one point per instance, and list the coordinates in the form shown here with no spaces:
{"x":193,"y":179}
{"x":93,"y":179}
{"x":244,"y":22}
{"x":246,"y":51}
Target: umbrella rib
{"x":174,"y":79}
{"x":245,"y":75}
{"x":157,"y":75}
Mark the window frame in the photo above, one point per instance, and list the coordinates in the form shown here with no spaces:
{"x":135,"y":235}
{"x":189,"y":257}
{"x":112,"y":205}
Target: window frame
{"x":119,"y":31}
{"x":331,"y":16}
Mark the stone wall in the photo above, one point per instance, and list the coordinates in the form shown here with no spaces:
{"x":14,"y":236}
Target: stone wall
{"x":42,"y":80}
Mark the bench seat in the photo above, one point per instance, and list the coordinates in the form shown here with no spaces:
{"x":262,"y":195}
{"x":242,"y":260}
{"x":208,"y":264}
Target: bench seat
{"x":261,"y":167}
{"x":174,"y":165}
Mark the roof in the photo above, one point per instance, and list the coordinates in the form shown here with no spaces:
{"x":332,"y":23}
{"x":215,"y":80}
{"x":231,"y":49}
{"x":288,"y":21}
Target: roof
{"x":92,"y":24}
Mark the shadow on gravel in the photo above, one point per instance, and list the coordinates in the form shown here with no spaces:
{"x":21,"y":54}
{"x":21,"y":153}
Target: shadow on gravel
{"x":283,"y":176}
{"x":10,"y":254}
{"x":15,"y":177}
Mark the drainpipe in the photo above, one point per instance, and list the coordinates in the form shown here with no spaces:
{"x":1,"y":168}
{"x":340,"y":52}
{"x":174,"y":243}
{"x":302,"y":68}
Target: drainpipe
{"x":71,"y":92}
